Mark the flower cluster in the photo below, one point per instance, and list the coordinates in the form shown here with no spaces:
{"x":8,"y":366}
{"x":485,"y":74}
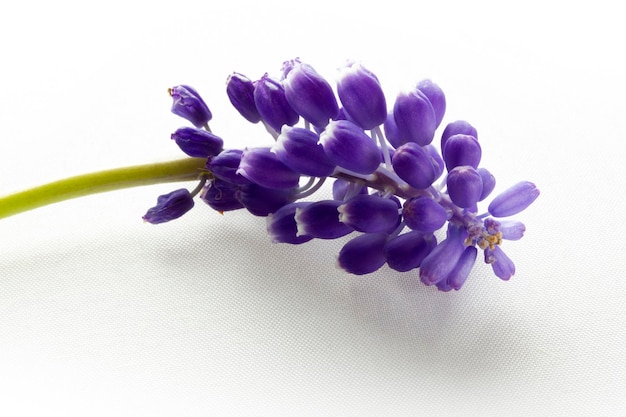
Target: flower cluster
{"x":392,"y":187}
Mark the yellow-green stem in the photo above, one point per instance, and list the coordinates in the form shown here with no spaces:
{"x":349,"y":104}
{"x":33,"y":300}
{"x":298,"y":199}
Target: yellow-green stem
{"x":97,"y":182}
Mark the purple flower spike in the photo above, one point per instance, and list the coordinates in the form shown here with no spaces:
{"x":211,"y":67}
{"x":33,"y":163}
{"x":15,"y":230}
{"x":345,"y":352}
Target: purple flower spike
{"x":240,"y":91}
{"x":502,"y":265}
{"x":321,"y":220}
{"x":489,"y":183}
{"x":282,"y":227}
{"x":225,"y":166}
{"x":414,"y":165}
{"x":300,"y":150}
{"x":435,"y":96}
{"x":464,"y":186}
{"x":369,"y":213}
{"x":272,"y":105}
{"x":221,"y":196}
{"x":198,"y":143}
{"x":408,"y":250}
{"x":189,"y":105}
{"x":364,"y":254}
{"x":310,"y":95}
{"x":262,"y":166}
{"x":415,"y":117}
{"x":441,"y":261}
{"x":455,"y":128}
{"x":514,"y":200}
{"x":169,"y":207}
{"x":462,"y":150}
{"x":361,"y":95}
{"x":424,"y":214}
{"x":350,"y":148}
{"x":457,"y":277}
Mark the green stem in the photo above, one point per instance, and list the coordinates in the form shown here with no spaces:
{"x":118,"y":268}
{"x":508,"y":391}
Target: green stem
{"x":187,"y":169}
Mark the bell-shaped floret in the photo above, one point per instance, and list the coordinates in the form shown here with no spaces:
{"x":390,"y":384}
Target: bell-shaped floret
{"x":424,"y":214}
{"x":240,"y":91}
{"x":361,"y":95}
{"x":514,"y":200}
{"x":282,"y":227}
{"x":197,"y":143}
{"x":321,"y":220}
{"x":300,"y":150}
{"x":272,"y":105}
{"x":188,"y":104}
{"x":221,"y":195}
{"x":262,"y":166}
{"x":363,"y":254}
{"x":225,"y":166}
{"x":309,"y":94}
{"x":489,"y":183}
{"x":464,"y":186}
{"x":369,"y":213}
{"x":261,"y":201}
{"x":414,"y":117}
{"x":349,"y":147}
{"x":457,"y":277}
{"x":441,"y":261}
{"x":457,"y":127}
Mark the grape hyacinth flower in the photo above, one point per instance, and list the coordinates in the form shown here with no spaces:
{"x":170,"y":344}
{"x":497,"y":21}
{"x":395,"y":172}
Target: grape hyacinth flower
{"x":401,"y":201}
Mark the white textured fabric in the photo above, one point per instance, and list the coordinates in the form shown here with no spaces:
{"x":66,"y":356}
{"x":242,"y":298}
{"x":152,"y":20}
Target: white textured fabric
{"x":101,"y":314}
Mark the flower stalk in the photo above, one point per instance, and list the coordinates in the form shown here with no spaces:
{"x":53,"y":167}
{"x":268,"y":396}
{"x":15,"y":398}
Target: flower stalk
{"x":187,"y":169}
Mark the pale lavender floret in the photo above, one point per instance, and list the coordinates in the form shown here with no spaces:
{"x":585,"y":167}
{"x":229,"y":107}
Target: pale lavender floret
{"x":441,"y":261}
{"x":436,"y":97}
{"x":310,"y":95}
{"x":455,"y":128}
{"x":300,"y":150}
{"x":464,"y":186}
{"x":414,"y":165}
{"x":369,"y":213}
{"x":461,"y":150}
{"x":321,"y":220}
{"x":489,"y":183}
{"x":169,"y":207}
{"x":514,"y":199}
{"x":349,"y":147}
{"x":415,"y":117}
{"x":282,"y":227}
{"x":240,"y":91}
{"x":424,"y":214}
{"x":361,"y":95}
{"x":270,"y":101}
{"x":262,"y":166}
{"x":457,"y":277}
{"x":407,"y":251}
{"x":503,"y":267}
{"x":511,"y":229}
{"x":363,"y":254}
{"x":198,"y":143}
{"x":188,"y":104}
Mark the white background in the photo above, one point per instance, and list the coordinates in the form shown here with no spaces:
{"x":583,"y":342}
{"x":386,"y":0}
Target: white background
{"x":101,"y":314}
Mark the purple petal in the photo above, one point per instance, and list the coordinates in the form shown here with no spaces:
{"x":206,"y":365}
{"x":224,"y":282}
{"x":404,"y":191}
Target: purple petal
{"x":514,"y":200}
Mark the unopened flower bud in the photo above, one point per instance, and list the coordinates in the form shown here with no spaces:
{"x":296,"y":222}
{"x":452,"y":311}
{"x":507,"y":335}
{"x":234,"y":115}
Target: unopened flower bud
{"x":407,"y":251}
{"x":282,"y":227}
{"x":221,"y":195}
{"x":457,"y":277}
{"x":361,"y":95}
{"x":188,"y":104}
{"x":310,"y":95}
{"x":272,"y":105}
{"x":369,"y":213}
{"x":198,"y":143}
{"x":489,"y":183}
{"x":261,"y":201}
{"x":300,"y":150}
{"x":240,"y":91}
{"x":464,"y":186}
{"x":436,"y":97}
{"x":414,"y":165}
{"x":424,"y":214}
{"x":170,"y":206}
{"x":349,"y":147}
{"x":262,"y":166}
{"x":321,"y":220}
{"x":225,"y":166}
{"x":514,"y":200}
{"x":503,"y":267}
{"x":441,"y":261}
{"x":455,"y":128}
{"x":461,"y":150}
{"x":363,"y":254}
{"x":415,"y":117}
